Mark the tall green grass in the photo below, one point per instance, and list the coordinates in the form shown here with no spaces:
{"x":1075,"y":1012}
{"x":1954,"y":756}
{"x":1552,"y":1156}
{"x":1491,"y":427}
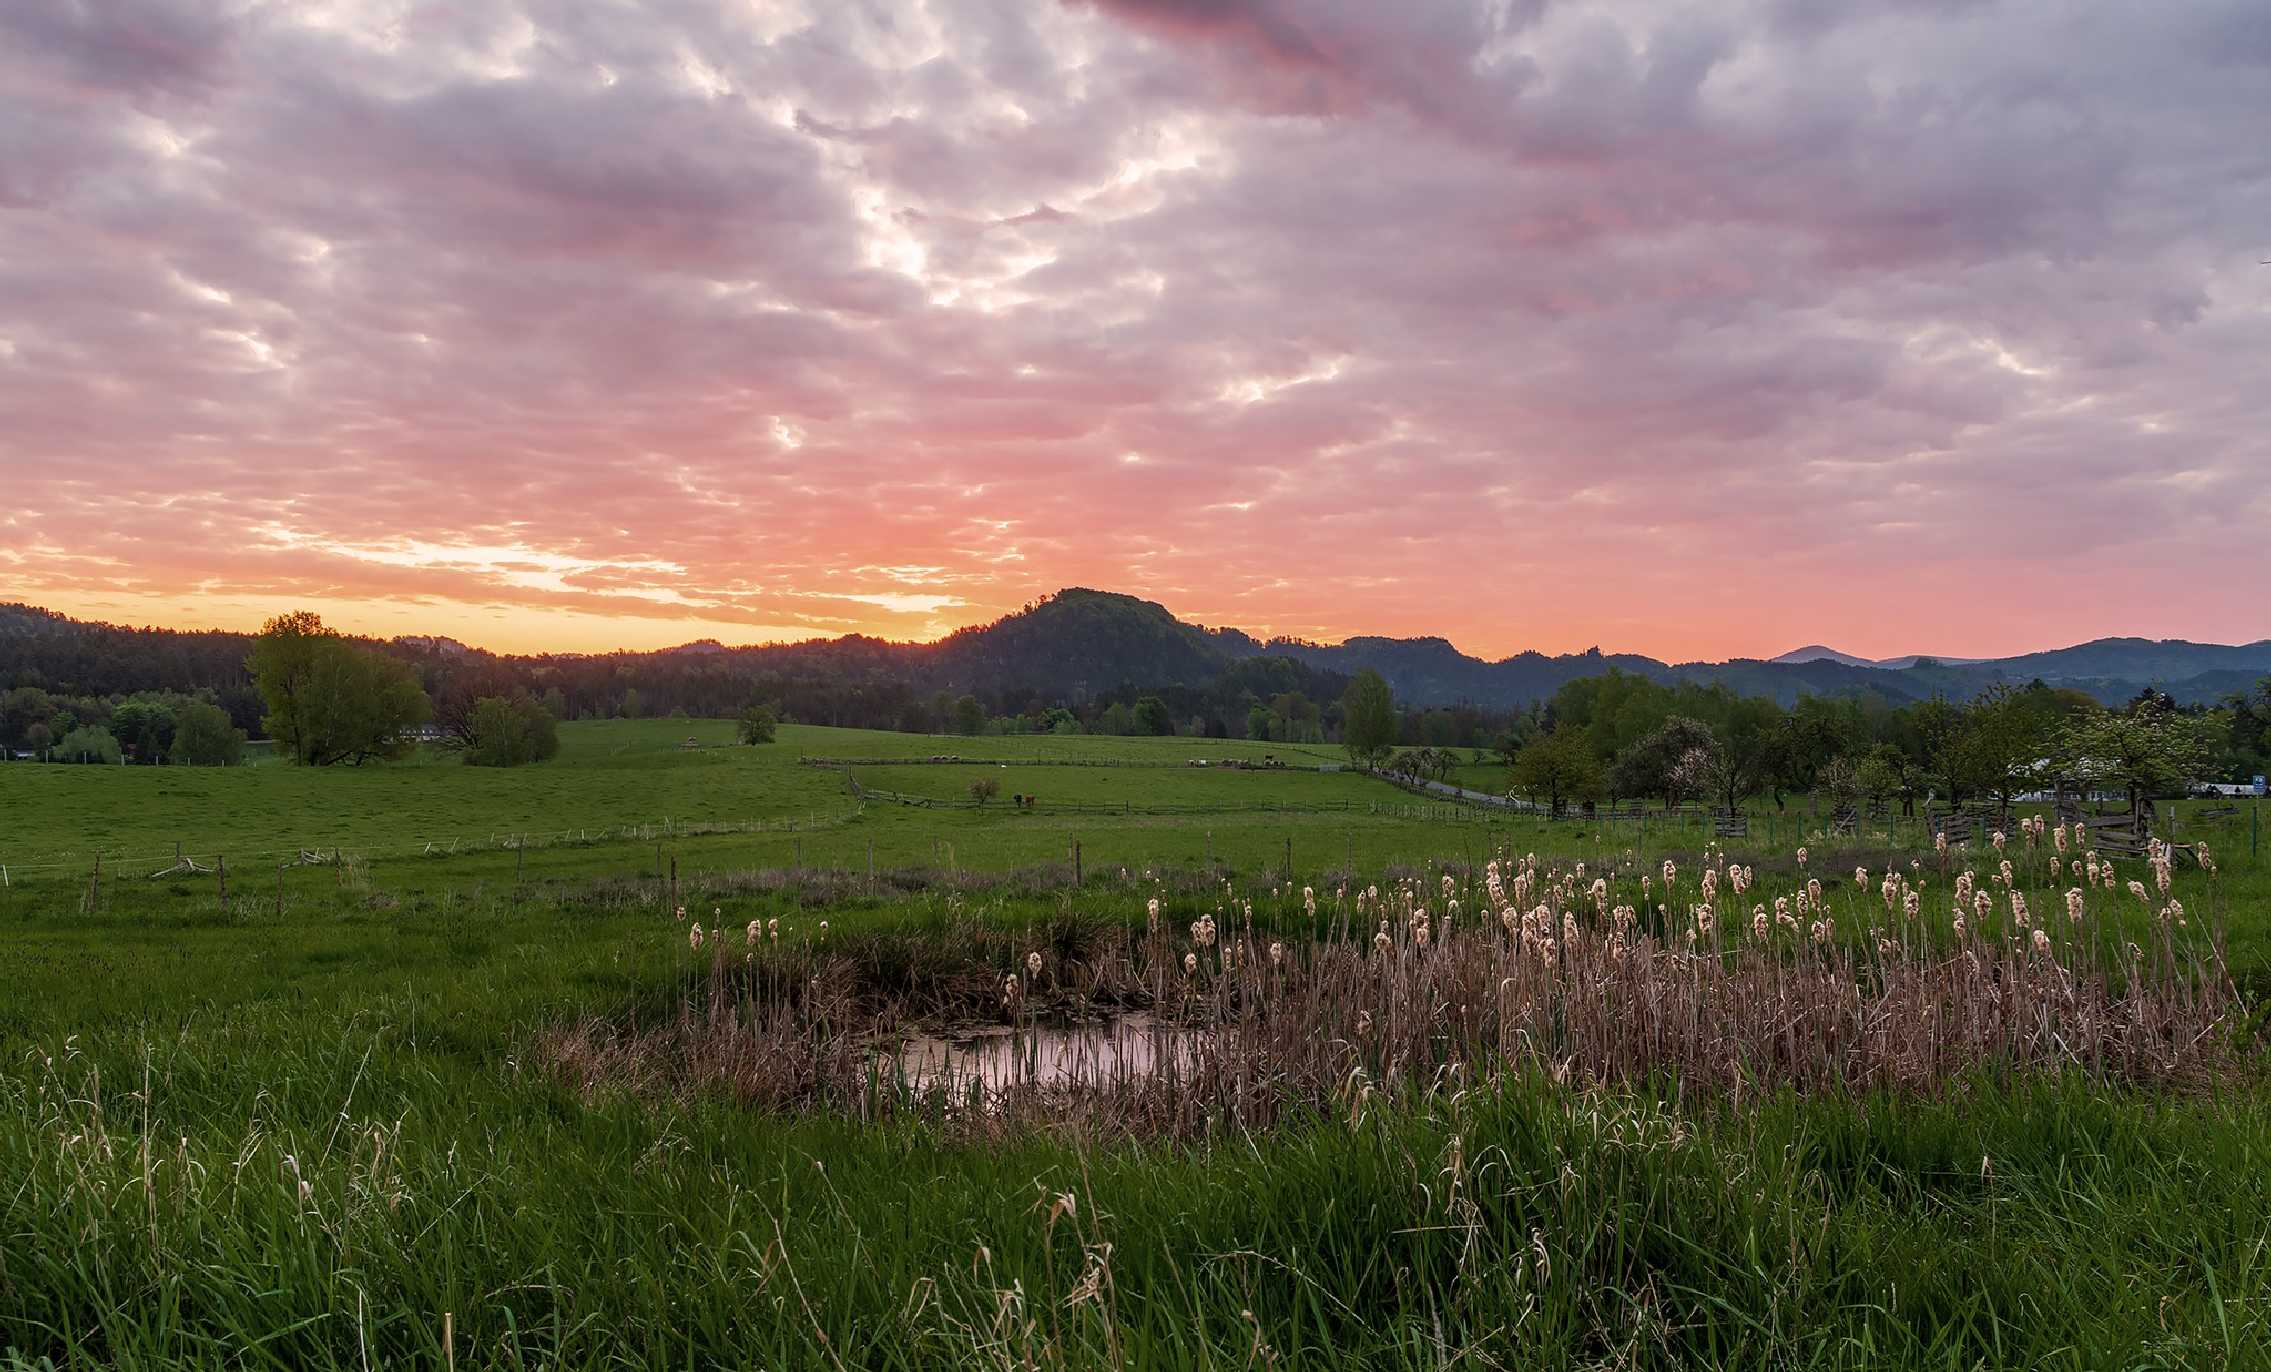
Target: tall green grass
{"x":174,"y":1068}
{"x":247,"y":1195}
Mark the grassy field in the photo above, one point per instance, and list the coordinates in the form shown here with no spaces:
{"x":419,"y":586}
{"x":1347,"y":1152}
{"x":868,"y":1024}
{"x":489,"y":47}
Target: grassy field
{"x":309,"y":1124}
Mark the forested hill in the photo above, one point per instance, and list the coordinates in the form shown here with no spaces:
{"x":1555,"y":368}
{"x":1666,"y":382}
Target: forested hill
{"x":1079,"y":648}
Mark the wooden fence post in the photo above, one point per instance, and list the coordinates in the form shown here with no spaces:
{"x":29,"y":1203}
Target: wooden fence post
{"x":221,"y":875}
{"x":279,"y":890}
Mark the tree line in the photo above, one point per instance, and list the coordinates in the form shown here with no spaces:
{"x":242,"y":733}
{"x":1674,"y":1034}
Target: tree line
{"x":1624,"y":737}
{"x":155,"y":696}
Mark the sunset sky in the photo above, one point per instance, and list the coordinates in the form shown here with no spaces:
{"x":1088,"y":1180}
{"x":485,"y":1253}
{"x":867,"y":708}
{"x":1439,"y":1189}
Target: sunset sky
{"x":1921,"y":325}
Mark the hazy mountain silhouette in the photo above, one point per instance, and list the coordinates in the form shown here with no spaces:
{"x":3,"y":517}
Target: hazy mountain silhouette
{"x":1080,"y":642}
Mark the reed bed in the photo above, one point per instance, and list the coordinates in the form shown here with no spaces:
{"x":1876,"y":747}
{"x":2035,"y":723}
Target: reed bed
{"x":2033,"y":957}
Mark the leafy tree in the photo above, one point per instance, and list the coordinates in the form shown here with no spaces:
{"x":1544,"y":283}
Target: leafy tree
{"x":2147,"y":749}
{"x":1258,"y":722}
{"x":1438,"y":729}
{"x":87,"y":744}
{"x":203,"y":736}
{"x":1558,"y":767}
{"x":1840,"y":780}
{"x":1508,"y":744}
{"x":2247,"y":716}
{"x":1423,"y":763}
{"x":1653,"y":764}
{"x":1749,"y":743}
{"x":2005,"y":737}
{"x":555,"y":702}
{"x":509,"y":732}
{"x":330,"y":700}
{"x":144,"y":727}
{"x":1060,"y":720}
{"x":985,"y":789}
{"x":1368,"y":718}
{"x":1939,"y":734}
{"x":1154,"y":718}
{"x":758,"y":723}
{"x":633,"y":707}
{"x":22,"y":708}
{"x":969,"y":717}
{"x":1295,"y":718}
{"x":1888,"y":771}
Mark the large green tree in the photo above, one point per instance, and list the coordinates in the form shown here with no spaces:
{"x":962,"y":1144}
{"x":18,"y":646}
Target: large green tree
{"x":330,"y":700}
{"x":1938,"y":726}
{"x":2006,"y":739}
{"x":509,"y":731}
{"x":1659,"y":762}
{"x":1368,"y":718}
{"x":1558,"y":767}
{"x":1751,"y":740}
{"x":144,"y":727}
{"x":2148,"y":749}
{"x":22,"y":710}
{"x":969,"y":716}
{"x":1153,"y":717}
{"x":204,"y":737}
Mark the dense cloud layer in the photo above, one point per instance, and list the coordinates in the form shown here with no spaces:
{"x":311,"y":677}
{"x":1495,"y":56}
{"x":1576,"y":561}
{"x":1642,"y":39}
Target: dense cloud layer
{"x":1916,"y":324}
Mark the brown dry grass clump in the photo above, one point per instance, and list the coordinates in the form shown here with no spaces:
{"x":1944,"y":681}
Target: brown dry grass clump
{"x":1838,"y":987}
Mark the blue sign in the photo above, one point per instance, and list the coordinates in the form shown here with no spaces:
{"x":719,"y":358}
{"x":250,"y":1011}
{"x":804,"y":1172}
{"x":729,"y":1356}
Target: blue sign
{"x":2259,"y":783}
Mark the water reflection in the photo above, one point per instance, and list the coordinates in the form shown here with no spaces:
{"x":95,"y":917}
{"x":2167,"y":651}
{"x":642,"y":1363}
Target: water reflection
{"x":995,"y":1059}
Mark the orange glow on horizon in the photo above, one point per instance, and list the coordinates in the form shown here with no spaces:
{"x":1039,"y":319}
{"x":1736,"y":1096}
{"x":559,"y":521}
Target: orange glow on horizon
{"x":521,"y":630}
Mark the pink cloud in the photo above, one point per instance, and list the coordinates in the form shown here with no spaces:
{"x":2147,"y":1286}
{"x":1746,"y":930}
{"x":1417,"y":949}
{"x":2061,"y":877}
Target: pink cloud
{"x":1907,"y":327}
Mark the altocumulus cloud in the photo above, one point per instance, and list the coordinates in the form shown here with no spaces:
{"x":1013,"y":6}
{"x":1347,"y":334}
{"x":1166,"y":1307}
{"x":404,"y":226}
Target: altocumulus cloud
{"x":1521,"y":322}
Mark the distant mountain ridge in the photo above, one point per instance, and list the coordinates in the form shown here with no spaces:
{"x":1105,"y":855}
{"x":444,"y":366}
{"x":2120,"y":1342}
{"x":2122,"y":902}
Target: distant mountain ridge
{"x":1081,"y":643}
{"x":1100,"y":638}
{"x":1816,"y":652}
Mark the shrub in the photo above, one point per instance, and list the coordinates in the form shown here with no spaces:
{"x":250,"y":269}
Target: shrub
{"x":87,"y":744}
{"x":507,"y":733}
{"x":204,"y":737}
{"x":757,"y":724}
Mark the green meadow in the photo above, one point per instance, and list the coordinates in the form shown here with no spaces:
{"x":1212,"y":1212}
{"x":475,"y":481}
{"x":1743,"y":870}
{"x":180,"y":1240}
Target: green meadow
{"x":310,"y":1120}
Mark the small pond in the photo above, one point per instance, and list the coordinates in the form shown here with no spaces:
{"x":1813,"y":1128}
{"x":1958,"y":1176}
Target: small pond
{"x":997,"y":1058}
